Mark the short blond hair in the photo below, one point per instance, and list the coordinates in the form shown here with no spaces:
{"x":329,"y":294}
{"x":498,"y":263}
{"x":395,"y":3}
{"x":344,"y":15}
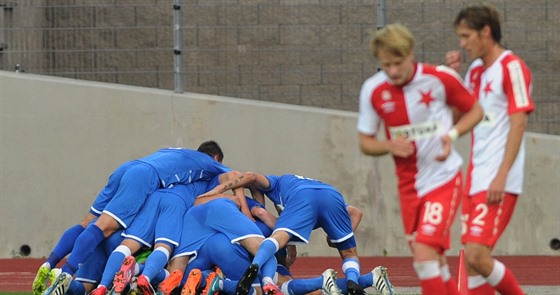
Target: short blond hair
{"x":395,"y":39}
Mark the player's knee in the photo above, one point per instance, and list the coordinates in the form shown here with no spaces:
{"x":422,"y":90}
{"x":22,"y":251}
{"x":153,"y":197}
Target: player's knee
{"x":475,"y":258}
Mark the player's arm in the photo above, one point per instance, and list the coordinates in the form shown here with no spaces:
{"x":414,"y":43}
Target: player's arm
{"x":256,"y":194}
{"x":518,"y":123}
{"x":355,"y":216}
{"x":370,"y":145}
{"x":259,"y":181}
{"x":238,"y":191}
{"x":200,"y":201}
{"x":264,"y":216}
{"x":463,"y":104}
{"x":466,"y":122}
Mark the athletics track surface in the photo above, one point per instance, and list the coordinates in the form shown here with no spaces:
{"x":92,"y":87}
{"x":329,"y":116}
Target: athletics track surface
{"x":16,"y":275}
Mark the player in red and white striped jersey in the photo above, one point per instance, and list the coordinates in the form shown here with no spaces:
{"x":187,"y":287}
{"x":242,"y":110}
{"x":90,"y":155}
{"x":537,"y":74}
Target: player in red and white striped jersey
{"x":502,"y":84}
{"x":415,"y":101}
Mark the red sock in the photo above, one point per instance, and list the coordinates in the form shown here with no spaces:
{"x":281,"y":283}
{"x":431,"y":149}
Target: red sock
{"x":484,"y":289}
{"x":451,"y":286}
{"x":433,"y":286}
{"x":509,"y":285}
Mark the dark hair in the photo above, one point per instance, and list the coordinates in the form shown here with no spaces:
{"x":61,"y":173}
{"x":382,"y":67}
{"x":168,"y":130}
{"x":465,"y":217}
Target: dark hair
{"x":212,"y":149}
{"x":478,"y":16}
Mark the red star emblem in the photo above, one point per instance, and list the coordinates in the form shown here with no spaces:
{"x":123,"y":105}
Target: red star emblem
{"x":427,"y":98}
{"x":487,"y":88}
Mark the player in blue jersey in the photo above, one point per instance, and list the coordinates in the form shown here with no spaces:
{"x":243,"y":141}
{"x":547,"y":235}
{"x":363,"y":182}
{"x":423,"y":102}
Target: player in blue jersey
{"x":158,"y":224}
{"x":128,"y":189}
{"x":232,"y":259}
{"x":220,"y":215}
{"x":306,"y":204}
{"x":90,"y":272}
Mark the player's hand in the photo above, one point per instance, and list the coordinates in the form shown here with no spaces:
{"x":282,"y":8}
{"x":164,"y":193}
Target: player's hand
{"x":401,"y":147}
{"x":496,"y":191}
{"x":291,"y":254}
{"x":453,"y":60}
{"x":446,"y":148}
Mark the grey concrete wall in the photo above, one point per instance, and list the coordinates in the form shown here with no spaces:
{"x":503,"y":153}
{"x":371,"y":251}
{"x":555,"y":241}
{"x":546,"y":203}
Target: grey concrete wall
{"x":61,"y":139}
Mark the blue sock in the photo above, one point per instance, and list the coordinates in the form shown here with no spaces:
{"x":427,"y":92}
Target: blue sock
{"x":230,"y":286}
{"x":366,"y":280}
{"x":156,"y":261}
{"x":64,"y":245}
{"x":204,"y":275}
{"x":342,"y":284}
{"x":266,"y":250}
{"x":76,"y":288}
{"x":351,"y":269}
{"x":113,"y":266}
{"x":304,"y":286}
{"x":85,"y":243}
{"x":161,"y":275}
{"x":269,"y":267}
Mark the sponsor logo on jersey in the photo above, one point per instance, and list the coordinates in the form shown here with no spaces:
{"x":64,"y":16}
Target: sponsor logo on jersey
{"x":428,"y":229}
{"x":416,"y":131}
{"x":476,"y":231}
{"x":388,"y":107}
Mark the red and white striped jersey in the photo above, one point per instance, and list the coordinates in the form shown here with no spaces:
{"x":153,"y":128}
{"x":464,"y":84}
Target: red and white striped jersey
{"x":421,"y":111}
{"x":501,"y":89}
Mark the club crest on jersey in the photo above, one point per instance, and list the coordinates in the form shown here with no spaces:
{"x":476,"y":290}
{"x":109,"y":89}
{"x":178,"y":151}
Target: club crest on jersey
{"x":416,"y":131}
{"x":386,"y":95}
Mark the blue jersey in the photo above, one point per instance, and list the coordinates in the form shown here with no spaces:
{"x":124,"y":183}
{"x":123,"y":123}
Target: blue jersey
{"x":286,"y":186}
{"x":180,"y":165}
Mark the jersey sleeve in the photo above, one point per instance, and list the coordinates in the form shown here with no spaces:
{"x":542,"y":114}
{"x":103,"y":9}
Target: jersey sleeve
{"x":457,"y":95}
{"x":368,"y":119}
{"x":273,"y":179}
{"x":517,"y":86}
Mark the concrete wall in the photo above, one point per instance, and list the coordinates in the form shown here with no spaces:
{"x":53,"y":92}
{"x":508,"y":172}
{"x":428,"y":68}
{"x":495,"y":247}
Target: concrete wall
{"x":61,"y":139}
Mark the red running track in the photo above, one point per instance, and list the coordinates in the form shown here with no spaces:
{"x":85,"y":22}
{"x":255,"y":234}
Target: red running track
{"x":16,"y":275}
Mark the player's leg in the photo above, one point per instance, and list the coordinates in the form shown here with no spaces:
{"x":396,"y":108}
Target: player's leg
{"x":136,"y":184}
{"x":68,"y":238}
{"x":335,"y":220}
{"x":155,"y":264}
{"x":89,"y":273}
{"x":121,"y":266}
{"x":62,"y":248}
{"x":430,"y":236}
{"x":478,"y":252}
{"x":167,"y":232}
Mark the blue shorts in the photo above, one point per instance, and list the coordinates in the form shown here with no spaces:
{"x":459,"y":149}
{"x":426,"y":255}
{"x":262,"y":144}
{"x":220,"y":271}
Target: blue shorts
{"x":314,"y":208}
{"x":232,"y":259}
{"x":138,"y":182}
{"x":110,"y":189}
{"x":217,"y":216}
{"x":161,"y":218}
